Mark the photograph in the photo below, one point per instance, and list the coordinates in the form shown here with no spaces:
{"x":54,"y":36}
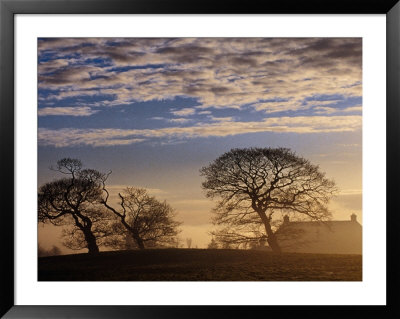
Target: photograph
{"x":175,"y":159}
{"x":199,"y":159}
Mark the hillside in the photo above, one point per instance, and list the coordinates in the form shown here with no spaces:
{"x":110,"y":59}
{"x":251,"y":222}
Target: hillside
{"x":200,"y":265}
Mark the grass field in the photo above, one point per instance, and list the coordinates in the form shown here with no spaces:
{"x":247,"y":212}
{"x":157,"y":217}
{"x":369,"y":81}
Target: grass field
{"x":200,"y":265}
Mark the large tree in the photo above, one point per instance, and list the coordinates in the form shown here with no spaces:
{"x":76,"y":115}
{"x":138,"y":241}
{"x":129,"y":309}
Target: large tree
{"x":75,"y":201}
{"x":148,"y":221}
{"x":254,"y":185}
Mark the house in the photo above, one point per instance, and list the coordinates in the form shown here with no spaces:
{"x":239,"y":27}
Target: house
{"x":331,"y":237}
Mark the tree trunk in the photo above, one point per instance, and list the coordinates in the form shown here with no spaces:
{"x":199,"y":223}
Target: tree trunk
{"x":271,"y":238}
{"x":139,"y":242}
{"x":91,"y":242}
{"x":273,"y":243}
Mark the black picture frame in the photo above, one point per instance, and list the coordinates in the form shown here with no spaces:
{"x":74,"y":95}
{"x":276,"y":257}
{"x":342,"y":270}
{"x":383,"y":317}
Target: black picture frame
{"x":8,"y":8}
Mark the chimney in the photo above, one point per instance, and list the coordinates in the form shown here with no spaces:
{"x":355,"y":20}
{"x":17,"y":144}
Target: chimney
{"x":353,"y":217}
{"x":285,"y":219}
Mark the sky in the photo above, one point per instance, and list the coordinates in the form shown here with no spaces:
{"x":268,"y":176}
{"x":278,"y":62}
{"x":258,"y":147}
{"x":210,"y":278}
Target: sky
{"x":156,"y":110}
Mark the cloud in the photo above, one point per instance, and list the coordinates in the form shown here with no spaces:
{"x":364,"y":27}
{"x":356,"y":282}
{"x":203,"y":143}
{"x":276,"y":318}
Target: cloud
{"x":180,"y":120}
{"x":204,"y":112}
{"x":91,"y":137}
{"x":52,"y":65}
{"x":221,"y":119}
{"x":277,"y":106}
{"x":184,"y":112}
{"x":345,"y":192}
{"x":112,"y":137}
{"x":331,"y":110}
{"x":324,"y":110}
{"x":216,"y":72}
{"x":66,"y":111}
{"x":353,"y":109}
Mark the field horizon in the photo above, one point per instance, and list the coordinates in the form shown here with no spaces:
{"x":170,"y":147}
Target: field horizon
{"x":183,"y":264}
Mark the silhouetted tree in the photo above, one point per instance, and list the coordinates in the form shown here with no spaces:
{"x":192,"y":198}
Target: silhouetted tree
{"x":148,"y":221}
{"x":213,"y":244}
{"x":189,"y":242}
{"x":255,"y":184}
{"x":74,"y":201}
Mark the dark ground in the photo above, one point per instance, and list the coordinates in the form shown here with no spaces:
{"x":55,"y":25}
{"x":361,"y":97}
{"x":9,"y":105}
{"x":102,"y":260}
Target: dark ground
{"x":200,"y":265}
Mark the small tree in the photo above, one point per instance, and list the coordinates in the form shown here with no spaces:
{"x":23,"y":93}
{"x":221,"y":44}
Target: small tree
{"x":189,"y":242}
{"x":213,"y":244}
{"x":55,"y":251}
{"x":256,"y":184}
{"x":74,"y":201}
{"x":148,"y":221}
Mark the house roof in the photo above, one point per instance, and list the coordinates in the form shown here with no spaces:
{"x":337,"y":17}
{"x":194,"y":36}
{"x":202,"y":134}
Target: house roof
{"x":320,"y":223}
{"x":336,"y":236}
{"x":352,"y":222}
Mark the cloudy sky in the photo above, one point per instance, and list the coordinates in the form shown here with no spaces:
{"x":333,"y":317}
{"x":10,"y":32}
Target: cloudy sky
{"x":155,"y":110}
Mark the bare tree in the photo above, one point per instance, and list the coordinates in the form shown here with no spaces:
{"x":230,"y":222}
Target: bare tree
{"x":148,"y":221}
{"x":254,"y":185}
{"x":189,"y":242}
{"x":213,"y":244}
{"x":74,"y":201}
